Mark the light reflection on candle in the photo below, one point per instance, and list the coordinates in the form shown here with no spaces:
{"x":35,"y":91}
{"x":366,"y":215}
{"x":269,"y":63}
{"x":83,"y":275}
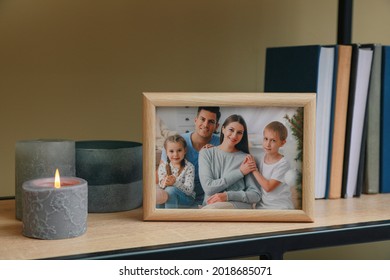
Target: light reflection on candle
{"x":57,"y":181}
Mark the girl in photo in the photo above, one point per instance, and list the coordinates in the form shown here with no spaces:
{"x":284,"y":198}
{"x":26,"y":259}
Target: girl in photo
{"x":176,"y":176}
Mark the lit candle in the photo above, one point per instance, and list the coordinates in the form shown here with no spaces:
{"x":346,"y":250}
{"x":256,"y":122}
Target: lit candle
{"x":55,"y":208}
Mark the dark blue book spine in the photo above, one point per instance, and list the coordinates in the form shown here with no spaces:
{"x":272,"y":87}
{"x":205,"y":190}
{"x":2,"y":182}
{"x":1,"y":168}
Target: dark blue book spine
{"x":292,"y":69}
{"x":351,"y":101}
{"x":331,"y":128}
{"x":385,"y":122}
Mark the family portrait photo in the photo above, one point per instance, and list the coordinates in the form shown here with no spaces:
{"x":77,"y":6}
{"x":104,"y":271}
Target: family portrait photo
{"x":229,"y":158}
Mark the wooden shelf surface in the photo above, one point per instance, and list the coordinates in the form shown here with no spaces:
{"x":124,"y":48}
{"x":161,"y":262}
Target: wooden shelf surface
{"x":127,"y":230}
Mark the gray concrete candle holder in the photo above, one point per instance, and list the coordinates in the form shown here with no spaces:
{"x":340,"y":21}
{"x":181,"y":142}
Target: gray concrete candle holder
{"x":113,"y":170}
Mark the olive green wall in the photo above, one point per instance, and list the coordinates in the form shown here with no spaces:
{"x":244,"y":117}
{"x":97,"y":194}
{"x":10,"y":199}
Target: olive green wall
{"x":77,"y":69}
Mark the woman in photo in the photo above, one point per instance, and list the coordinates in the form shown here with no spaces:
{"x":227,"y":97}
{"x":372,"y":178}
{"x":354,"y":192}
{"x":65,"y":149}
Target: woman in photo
{"x":224,"y":170}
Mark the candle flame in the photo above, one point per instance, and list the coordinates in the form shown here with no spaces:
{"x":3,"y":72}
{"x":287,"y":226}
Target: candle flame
{"x":57,"y":181}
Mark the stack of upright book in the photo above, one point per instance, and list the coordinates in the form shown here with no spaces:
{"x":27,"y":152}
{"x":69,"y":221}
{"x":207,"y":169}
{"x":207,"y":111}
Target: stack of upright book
{"x":352,"y":83}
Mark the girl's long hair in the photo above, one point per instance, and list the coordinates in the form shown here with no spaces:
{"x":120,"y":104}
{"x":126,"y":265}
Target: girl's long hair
{"x":243,"y":144}
{"x":175,"y":139}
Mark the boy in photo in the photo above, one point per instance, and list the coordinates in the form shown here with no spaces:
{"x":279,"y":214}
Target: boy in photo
{"x":272,"y":168}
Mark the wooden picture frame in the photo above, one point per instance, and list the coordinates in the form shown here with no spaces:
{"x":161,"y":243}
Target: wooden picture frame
{"x":154,"y":100}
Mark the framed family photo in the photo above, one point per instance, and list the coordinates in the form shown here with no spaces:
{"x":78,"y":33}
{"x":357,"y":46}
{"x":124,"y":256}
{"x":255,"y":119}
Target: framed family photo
{"x":228,"y":156}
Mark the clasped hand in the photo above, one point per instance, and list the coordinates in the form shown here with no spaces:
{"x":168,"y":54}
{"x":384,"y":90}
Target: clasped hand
{"x":248,"y":165}
{"x":168,"y":181}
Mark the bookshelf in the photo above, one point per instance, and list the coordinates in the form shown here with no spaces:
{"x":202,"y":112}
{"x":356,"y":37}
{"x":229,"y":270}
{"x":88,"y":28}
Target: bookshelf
{"x":124,"y":235}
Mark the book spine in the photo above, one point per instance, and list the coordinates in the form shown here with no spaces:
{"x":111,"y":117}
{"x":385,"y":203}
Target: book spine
{"x":385,"y":127}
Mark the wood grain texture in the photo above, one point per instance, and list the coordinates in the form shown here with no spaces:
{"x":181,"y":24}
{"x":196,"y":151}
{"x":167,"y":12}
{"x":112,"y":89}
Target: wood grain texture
{"x":236,"y":99}
{"x":309,"y":158}
{"x":148,"y":153}
{"x":127,"y":230}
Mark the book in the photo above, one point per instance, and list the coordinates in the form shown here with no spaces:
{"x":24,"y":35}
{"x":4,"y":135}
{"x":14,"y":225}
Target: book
{"x":306,"y":68}
{"x":344,"y":56}
{"x":362,"y":158}
{"x":359,"y":83}
{"x":331,"y":122}
{"x":372,"y":147}
{"x":385,"y":128}
{"x":364,"y":153}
